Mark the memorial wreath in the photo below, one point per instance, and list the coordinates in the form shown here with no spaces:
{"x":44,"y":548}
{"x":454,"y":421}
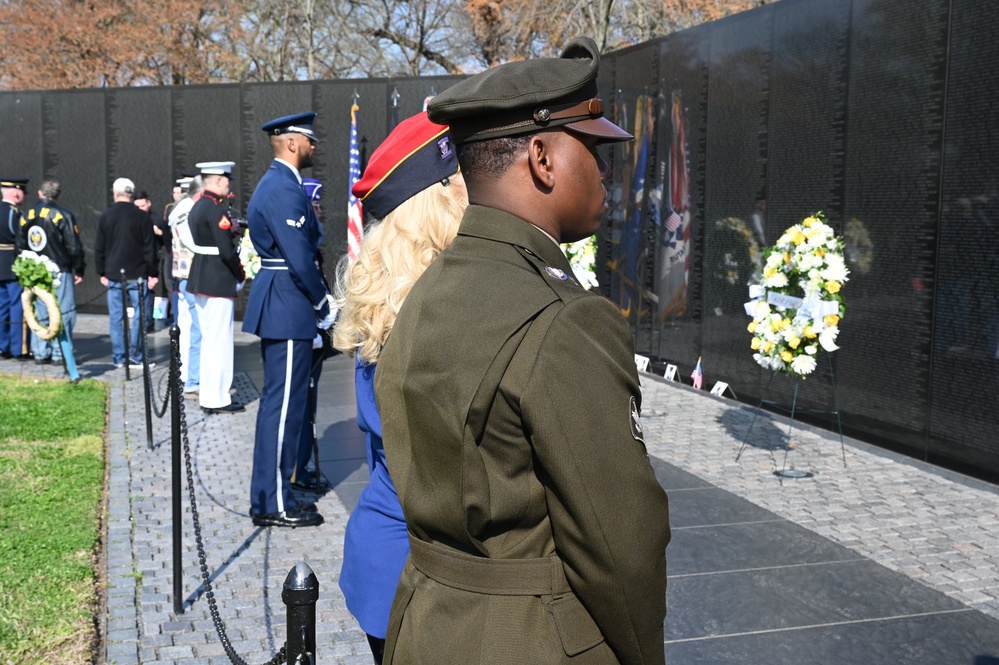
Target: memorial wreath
{"x":39,"y":277}
{"x":798,"y":305}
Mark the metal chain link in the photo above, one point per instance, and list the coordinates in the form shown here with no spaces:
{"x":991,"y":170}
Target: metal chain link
{"x":282,"y":655}
{"x":143,"y":324}
{"x":104,"y":290}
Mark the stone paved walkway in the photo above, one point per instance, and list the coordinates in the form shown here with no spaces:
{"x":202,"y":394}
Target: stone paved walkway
{"x":936,"y":527}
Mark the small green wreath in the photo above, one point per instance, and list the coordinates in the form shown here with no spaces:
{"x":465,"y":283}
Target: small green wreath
{"x":39,"y":276}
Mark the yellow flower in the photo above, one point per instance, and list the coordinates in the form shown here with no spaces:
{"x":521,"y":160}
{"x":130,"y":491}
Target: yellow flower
{"x":832,"y":287}
{"x":785,"y":323}
{"x":756,"y":343}
{"x":768,"y":347}
{"x":831,"y":320}
{"x":809,"y":332}
{"x":808,"y":221}
{"x":786,"y":356}
{"x":775,"y":325}
{"x":821,"y":251}
{"x":797,"y":237}
{"x":751,"y":327}
{"x":769,"y":272}
{"x":787,"y":257}
{"x":795,"y":341}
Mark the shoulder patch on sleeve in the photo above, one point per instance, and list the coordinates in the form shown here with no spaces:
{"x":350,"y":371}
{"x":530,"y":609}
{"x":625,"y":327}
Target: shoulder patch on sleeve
{"x":636,"y":422}
{"x":224,"y":223}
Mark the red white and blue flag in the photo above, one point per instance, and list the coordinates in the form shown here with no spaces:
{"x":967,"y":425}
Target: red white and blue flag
{"x":698,"y":374}
{"x":355,"y":216}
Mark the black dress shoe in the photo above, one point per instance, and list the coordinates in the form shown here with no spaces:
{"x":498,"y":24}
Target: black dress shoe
{"x":25,"y":358}
{"x":308,"y":507}
{"x":307,"y":483}
{"x":43,"y":361}
{"x":6,"y":355}
{"x":235,"y":407}
{"x":292,"y":518}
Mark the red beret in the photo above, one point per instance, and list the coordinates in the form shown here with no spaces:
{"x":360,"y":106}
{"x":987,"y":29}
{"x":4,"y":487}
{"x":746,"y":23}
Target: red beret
{"x":415,"y":155}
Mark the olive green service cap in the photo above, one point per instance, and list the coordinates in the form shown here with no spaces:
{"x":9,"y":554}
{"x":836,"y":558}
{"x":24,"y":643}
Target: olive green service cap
{"x":528,"y":96}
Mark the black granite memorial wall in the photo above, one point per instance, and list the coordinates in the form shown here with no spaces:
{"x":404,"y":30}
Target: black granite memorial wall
{"x":88,"y":138}
{"x":884,"y":115}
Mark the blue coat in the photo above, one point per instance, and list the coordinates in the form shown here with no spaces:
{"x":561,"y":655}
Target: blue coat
{"x":288,"y":295}
{"x":376,"y":543}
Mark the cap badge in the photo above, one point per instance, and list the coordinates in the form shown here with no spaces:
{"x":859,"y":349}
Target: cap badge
{"x":556,"y":273}
{"x":542,"y":115}
{"x":445,"y":145}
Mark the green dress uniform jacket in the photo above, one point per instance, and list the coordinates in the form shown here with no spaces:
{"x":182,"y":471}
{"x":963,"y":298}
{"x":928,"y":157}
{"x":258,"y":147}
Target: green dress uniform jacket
{"x":510,"y":400}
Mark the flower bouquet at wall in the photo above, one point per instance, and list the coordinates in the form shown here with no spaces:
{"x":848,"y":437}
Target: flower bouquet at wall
{"x":742,"y":263}
{"x":248,"y":256}
{"x":798,"y":305}
{"x":39,"y":276}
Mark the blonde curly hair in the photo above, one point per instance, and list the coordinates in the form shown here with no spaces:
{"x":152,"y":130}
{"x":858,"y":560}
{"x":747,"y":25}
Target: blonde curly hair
{"x":394,"y":253}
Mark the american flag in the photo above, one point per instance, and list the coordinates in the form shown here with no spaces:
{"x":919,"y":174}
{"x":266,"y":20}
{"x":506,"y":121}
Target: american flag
{"x":673,"y":222}
{"x":698,"y":374}
{"x":355,"y":217}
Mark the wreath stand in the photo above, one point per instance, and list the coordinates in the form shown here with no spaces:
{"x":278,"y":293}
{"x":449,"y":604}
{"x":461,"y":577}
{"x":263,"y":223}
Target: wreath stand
{"x":785,"y":472}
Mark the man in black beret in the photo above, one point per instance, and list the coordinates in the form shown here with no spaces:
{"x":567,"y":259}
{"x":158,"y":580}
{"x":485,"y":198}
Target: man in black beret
{"x":510,"y":401}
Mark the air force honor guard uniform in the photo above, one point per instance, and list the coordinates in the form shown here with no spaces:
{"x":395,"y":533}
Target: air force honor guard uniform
{"x":289,"y":299}
{"x":215,"y":274}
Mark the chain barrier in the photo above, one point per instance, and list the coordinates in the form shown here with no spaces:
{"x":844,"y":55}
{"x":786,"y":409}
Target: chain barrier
{"x":103,"y":291}
{"x":159,"y":411}
{"x":177,"y":390}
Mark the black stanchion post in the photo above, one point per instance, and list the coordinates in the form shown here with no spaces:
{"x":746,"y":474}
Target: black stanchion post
{"x":147,"y":387}
{"x":175,"y":451}
{"x":301,"y":591}
{"x":124,"y":323}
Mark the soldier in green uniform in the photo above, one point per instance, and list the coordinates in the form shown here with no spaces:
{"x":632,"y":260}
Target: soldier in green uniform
{"x":510,"y":402}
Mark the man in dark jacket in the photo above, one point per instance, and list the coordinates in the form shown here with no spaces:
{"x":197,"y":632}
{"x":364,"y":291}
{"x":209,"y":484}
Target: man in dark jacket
{"x":125,"y":242}
{"x":510,"y":402}
{"x":50,"y":230}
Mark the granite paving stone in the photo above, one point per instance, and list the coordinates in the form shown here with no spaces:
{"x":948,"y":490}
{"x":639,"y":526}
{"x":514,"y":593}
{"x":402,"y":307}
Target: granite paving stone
{"x":935,"y":529}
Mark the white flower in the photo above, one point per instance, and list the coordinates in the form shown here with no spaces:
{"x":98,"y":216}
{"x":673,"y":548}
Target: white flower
{"x":762,"y":310}
{"x":827,"y":338}
{"x":803,"y":364}
{"x":776,"y":281}
{"x":835,"y":270}
{"x":811,"y":349}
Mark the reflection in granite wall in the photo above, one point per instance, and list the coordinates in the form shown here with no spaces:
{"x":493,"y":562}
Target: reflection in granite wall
{"x":884,"y":115}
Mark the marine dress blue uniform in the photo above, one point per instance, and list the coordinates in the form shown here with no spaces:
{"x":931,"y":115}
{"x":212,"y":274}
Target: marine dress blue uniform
{"x":375,"y":544}
{"x":287,"y":299}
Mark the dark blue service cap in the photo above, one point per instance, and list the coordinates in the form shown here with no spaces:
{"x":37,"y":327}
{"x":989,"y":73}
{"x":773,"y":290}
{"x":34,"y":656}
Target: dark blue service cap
{"x":298,"y":124}
{"x":18,"y":183}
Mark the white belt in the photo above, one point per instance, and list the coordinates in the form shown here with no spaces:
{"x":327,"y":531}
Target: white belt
{"x":275,"y":264}
{"x":202,"y":249}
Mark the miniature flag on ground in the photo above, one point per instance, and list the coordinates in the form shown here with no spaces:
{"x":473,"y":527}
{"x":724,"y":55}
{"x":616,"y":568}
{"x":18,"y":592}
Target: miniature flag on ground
{"x":698,"y":374}
{"x":355,"y":217}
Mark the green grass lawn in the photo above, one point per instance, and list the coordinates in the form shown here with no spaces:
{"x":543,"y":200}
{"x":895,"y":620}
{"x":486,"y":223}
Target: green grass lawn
{"x":51,"y":483}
